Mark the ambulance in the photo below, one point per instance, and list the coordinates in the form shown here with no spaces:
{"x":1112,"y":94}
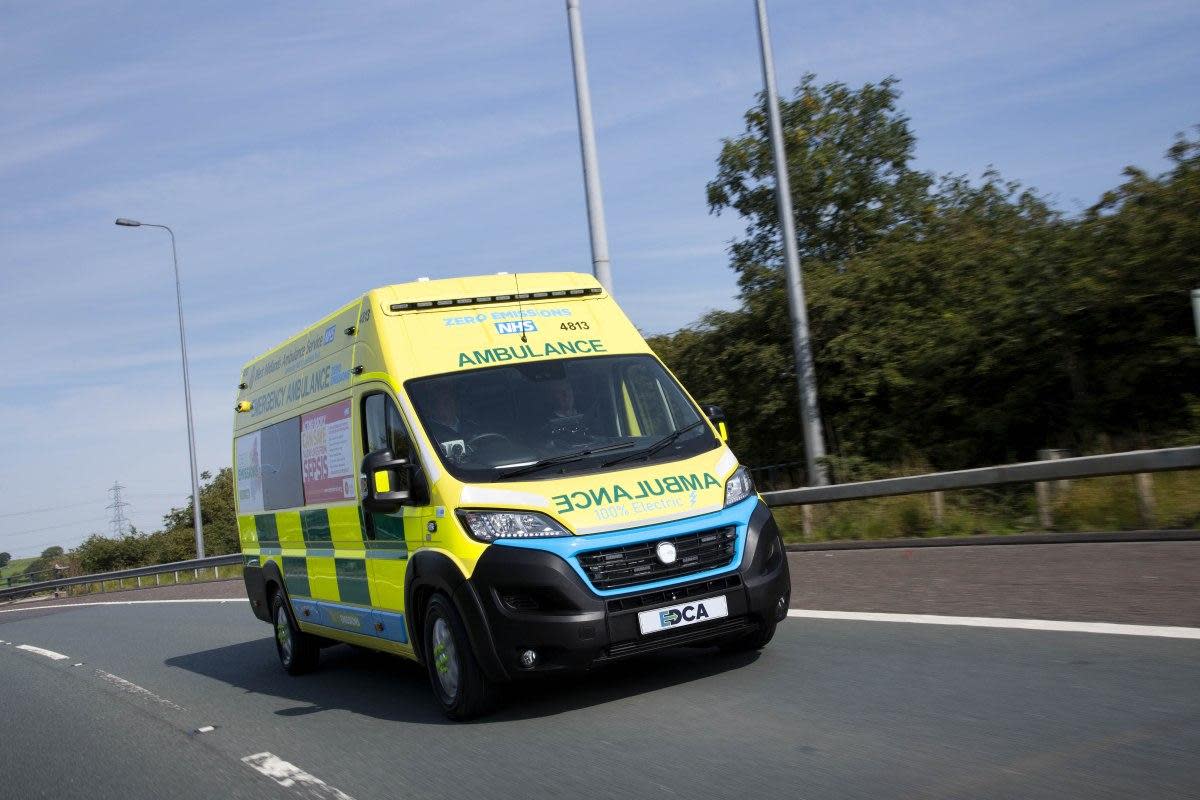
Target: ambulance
{"x":496,"y":477}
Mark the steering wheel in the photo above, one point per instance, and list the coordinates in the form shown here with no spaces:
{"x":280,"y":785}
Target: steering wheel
{"x":495,"y":438}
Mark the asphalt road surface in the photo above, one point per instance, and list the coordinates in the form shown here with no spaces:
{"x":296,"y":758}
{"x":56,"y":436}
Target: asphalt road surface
{"x":832,"y":709}
{"x":1147,"y":583}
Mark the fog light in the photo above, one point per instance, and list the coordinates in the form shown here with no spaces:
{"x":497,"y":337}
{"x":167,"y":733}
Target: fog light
{"x":528,"y":659}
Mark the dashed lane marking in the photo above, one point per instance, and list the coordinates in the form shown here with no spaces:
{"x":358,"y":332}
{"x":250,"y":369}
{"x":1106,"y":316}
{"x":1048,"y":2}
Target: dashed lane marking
{"x":129,"y":603}
{"x":41,"y":651}
{"x":292,"y":777}
{"x":133,"y":689}
{"x":1165,"y":631}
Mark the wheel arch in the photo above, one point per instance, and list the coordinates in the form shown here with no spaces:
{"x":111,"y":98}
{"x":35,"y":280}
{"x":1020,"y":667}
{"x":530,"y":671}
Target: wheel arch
{"x":429,"y":572}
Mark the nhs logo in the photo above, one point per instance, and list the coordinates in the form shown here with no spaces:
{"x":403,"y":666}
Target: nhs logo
{"x":519,"y":326}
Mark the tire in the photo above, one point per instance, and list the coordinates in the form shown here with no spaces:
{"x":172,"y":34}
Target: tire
{"x":458,"y":683}
{"x":750,"y":642}
{"x":298,"y":651}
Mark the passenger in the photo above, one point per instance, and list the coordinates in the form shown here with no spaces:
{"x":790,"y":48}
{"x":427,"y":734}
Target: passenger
{"x":566,"y":424}
{"x":562,"y":398}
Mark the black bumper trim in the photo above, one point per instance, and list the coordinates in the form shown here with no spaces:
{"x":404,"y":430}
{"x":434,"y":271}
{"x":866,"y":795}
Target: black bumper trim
{"x":534,"y":600}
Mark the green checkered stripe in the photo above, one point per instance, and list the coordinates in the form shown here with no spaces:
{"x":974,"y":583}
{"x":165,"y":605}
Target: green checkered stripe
{"x":316,"y":529}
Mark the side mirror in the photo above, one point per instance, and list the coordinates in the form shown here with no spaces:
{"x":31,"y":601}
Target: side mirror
{"x":717,"y":417}
{"x":386,"y":480}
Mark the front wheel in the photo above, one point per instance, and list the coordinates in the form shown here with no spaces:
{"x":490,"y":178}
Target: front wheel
{"x":298,"y":651}
{"x":459,"y":684}
{"x":750,"y":642}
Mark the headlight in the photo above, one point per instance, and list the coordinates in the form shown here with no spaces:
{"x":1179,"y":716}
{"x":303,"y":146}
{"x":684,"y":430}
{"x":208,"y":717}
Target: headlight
{"x":488,"y":526}
{"x":739,"y":486}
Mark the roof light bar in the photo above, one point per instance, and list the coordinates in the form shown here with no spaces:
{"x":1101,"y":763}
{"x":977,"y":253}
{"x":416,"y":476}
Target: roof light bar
{"x":499,"y":298}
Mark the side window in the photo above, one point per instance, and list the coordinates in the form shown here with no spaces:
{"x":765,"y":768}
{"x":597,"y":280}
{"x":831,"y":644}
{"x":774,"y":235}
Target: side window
{"x":396,"y":432}
{"x":649,"y":401}
{"x":375,"y":420}
{"x":384,"y":427}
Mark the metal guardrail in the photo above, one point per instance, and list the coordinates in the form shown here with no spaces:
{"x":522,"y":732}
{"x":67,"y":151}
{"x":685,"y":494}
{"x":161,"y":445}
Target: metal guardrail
{"x":133,"y":572}
{"x":1133,"y":462}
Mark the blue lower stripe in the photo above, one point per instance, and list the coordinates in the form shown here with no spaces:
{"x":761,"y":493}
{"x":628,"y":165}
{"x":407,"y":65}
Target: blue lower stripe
{"x":354,"y":619}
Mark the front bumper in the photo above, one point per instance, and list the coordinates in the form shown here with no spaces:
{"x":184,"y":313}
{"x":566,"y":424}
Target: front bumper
{"x":533,"y":599}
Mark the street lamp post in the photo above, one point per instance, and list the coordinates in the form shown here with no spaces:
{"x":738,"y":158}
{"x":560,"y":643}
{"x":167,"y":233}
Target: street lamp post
{"x":587,"y":148}
{"x":187,"y":387}
{"x":806,"y":373}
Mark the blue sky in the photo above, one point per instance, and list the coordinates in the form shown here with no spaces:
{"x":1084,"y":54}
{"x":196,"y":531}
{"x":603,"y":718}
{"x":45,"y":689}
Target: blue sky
{"x":304,"y":152}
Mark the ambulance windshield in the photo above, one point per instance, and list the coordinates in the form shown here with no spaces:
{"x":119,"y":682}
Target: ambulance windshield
{"x":538,"y":420}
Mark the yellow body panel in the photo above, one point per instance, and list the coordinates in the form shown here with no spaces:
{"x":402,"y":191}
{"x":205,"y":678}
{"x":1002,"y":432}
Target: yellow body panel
{"x":288,"y":525}
{"x":344,"y":527}
{"x":387,"y":583}
{"x":247,"y":533}
{"x":322,"y":578}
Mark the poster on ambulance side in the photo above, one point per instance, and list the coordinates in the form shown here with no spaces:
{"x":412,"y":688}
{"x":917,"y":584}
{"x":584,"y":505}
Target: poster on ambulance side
{"x":326,"y":454}
{"x":249,"y":473}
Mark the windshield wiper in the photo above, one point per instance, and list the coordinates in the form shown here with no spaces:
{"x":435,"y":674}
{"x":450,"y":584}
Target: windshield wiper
{"x":542,"y":463}
{"x":665,"y":441}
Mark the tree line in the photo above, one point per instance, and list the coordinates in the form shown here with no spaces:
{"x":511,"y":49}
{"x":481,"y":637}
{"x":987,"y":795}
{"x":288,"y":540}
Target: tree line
{"x":954,"y":322}
{"x":175,"y":541}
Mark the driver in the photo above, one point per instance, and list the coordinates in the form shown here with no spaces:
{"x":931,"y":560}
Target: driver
{"x":444,"y":424}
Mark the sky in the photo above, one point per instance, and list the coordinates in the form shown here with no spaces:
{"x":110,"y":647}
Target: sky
{"x":305,"y":152}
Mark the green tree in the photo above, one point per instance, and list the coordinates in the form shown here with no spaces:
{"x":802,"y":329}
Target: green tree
{"x":45,"y":566}
{"x":5,"y":558}
{"x":176,"y":541}
{"x":217,"y":514}
{"x":944,"y":343}
{"x":1135,"y":256}
{"x":849,"y":154}
{"x":954,"y":322}
{"x":103,"y":554}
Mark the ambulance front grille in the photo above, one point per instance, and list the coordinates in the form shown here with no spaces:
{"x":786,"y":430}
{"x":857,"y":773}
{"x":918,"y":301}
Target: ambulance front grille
{"x":633,"y":564}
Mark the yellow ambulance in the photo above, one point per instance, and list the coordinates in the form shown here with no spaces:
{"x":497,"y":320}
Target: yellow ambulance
{"x":494,"y":476}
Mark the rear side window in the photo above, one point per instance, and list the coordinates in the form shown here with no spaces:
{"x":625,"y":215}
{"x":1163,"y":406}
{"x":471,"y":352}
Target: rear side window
{"x":268,"y":468}
{"x":300,"y":461}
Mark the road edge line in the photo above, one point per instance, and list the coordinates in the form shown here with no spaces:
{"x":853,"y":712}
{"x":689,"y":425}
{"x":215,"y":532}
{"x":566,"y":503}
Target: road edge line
{"x":1114,"y":628}
{"x":130,"y":603}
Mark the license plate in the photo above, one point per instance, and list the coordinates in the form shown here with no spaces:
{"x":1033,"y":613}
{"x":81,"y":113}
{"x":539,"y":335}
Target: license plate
{"x":677,"y":616}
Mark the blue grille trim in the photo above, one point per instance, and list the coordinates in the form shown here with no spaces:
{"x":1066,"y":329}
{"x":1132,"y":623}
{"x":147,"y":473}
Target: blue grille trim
{"x":569,"y":548}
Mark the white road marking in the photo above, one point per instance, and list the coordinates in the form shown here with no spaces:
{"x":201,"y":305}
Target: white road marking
{"x":41,"y":651}
{"x":290,"y":776}
{"x":206,"y":729}
{"x":134,"y":689}
{"x":1166,"y":631}
{"x":130,"y":603}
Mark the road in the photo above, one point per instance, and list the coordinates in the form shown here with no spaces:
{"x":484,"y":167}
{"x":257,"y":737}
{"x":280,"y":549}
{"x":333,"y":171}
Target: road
{"x":832,"y":709}
{"x":1148,"y":583}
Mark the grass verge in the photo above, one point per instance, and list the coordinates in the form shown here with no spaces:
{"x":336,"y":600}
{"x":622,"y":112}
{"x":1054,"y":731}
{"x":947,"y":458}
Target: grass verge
{"x":1094,"y":504}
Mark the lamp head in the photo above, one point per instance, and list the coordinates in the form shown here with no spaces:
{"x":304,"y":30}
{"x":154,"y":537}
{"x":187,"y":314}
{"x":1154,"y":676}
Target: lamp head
{"x":128,"y":223}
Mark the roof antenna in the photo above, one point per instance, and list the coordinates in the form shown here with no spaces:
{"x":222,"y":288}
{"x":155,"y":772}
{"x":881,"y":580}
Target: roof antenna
{"x":520,"y":311}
